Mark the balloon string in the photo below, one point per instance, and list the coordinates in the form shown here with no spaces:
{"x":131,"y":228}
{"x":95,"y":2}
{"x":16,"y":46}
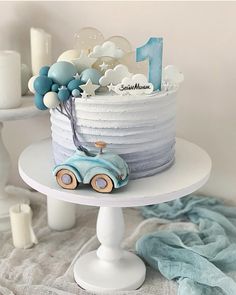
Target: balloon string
{"x":69,"y":108}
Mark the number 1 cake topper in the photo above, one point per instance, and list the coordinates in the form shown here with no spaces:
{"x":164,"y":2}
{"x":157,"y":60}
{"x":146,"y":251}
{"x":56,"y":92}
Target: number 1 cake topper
{"x":152,"y":51}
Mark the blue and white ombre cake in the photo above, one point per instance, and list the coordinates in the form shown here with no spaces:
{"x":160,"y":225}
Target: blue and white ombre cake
{"x":99,"y":93}
{"x":141,"y":129}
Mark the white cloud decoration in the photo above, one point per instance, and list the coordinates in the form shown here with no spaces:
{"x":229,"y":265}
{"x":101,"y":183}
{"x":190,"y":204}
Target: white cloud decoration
{"x":172,"y":76}
{"x":135,"y":85}
{"x":108,"y":48}
{"x":115,"y":76}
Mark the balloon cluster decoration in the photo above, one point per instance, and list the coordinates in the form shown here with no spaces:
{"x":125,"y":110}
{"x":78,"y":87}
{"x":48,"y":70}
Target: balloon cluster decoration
{"x":55,"y":85}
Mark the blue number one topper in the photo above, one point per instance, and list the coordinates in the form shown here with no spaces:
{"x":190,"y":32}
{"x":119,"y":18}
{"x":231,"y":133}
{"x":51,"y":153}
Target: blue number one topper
{"x":152,"y":51}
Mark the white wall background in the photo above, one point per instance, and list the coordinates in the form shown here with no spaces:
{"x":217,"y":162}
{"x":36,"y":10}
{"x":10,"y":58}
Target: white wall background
{"x":199,"y":37}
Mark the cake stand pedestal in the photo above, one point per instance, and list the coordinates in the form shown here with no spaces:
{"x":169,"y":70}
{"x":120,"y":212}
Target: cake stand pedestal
{"x":110,"y":268}
{"x":26,"y":110}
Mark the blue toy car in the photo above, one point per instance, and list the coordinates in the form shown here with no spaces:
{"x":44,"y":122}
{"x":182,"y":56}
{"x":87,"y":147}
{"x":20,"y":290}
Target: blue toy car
{"x":104,"y":170}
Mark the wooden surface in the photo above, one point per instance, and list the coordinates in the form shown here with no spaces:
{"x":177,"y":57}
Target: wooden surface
{"x":190,"y":171}
{"x":26,"y":110}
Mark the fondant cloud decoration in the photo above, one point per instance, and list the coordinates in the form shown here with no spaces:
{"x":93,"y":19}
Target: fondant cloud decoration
{"x":172,"y":75}
{"x":108,"y":48}
{"x":115,"y":76}
{"x":135,"y":85}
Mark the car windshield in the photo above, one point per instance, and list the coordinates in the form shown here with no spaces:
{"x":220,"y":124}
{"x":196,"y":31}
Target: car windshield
{"x":114,"y":159}
{"x":110,"y":157}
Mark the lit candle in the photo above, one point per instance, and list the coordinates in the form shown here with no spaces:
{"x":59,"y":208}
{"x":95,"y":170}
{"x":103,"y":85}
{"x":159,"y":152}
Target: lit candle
{"x":10,"y":79}
{"x":41,"y":51}
{"x":152,"y":51}
{"x":21,"y":225}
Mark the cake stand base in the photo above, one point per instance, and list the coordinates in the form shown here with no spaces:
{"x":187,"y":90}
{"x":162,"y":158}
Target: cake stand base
{"x":7,"y":200}
{"x":94,"y":274}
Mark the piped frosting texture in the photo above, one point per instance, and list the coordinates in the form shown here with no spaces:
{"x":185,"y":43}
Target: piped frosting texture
{"x":140,"y":129}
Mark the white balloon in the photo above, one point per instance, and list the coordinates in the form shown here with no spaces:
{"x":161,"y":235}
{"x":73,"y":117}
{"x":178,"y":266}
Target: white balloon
{"x":69,"y":55}
{"x":31,"y":84}
{"x":51,"y":100}
{"x":25,"y":77}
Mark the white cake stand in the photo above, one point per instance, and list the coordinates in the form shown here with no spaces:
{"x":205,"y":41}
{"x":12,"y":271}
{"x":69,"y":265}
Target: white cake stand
{"x":26,"y":110}
{"x":110,"y":268}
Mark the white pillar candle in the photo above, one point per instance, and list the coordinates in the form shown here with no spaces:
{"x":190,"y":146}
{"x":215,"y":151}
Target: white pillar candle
{"x":61,"y":214}
{"x":10,"y":79}
{"x":21,"y":225}
{"x":41,"y":49}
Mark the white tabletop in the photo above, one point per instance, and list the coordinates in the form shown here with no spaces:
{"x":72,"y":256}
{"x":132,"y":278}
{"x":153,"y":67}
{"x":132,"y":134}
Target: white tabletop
{"x":189,"y":172}
{"x":26,"y":110}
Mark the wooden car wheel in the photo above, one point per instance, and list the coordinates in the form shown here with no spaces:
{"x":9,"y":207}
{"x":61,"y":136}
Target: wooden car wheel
{"x":102,"y":183}
{"x":66,"y":179}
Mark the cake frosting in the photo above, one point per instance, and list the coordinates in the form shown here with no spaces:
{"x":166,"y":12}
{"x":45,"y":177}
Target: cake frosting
{"x":97,"y":93}
{"x":141,"y":129}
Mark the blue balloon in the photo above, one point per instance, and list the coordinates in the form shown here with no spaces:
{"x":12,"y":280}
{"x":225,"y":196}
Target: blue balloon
{"x":74,"y":84}
{"x":62,"y":72}
{"x":76,"y":93}
{"x":63,"y":94}
{"x":55,"y":87}
{"x":92,"y":74}
{"x":42,"y":84}
{"x":44,"y":71}
{"x":38,"y":101}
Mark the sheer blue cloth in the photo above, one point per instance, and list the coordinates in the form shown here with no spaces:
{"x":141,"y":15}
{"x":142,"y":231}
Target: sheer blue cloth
{"x":202,"y":262}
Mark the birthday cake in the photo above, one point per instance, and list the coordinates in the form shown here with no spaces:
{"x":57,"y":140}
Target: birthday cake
{"x":98,"y":92}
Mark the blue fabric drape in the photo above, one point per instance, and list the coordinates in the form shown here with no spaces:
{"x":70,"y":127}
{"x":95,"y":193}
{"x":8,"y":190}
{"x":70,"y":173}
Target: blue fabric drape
{"x":202,"y":262}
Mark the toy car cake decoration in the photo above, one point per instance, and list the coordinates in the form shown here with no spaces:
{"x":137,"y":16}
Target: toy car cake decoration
{"x":103,"y":170}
